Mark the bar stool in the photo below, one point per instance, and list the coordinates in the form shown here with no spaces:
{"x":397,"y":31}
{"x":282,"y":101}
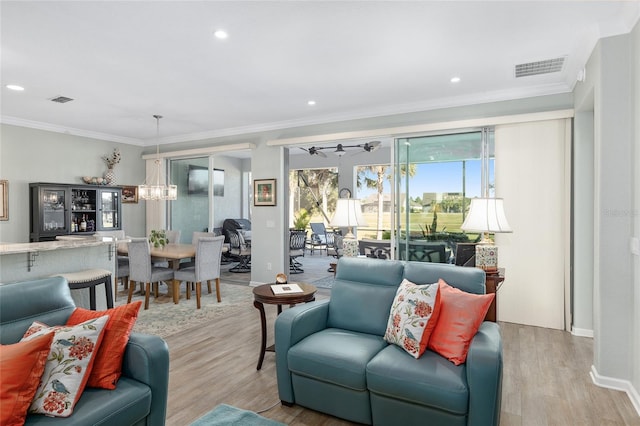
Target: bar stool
{"x":90,"y":278}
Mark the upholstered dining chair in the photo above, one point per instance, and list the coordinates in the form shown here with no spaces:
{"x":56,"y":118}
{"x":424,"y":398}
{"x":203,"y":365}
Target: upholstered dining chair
{"x":195,"y":236}
{"x":297,"y":241}
{"x":207,"y":267}
{"x":142,"y":271}
{"x":239,"y":250}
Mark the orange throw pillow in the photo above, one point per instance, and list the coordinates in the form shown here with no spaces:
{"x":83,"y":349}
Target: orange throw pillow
{"x":21,"y":367}
{"x":107,"y":367}
{"x":461,"y":314}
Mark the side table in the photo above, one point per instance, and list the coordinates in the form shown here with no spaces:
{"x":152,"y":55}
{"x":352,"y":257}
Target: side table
{"x":263,"y":294}
{"x":492,"y":281}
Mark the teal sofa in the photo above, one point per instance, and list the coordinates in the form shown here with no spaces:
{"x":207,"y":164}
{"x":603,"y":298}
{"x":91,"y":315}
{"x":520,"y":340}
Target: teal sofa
{"x":331,"y":355}
{"x":140,"y":397}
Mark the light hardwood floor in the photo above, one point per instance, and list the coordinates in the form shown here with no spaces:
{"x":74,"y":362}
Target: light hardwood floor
{"x":546,"y":377}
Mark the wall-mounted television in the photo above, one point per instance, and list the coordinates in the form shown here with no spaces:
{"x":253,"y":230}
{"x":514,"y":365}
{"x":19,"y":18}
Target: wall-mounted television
{"x":198,"y":180}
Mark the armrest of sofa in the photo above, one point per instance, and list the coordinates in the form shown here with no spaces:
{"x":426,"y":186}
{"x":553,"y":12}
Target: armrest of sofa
{"x":484,"y":375}
{"x":292,"y":326}
{"x":146,"y":359}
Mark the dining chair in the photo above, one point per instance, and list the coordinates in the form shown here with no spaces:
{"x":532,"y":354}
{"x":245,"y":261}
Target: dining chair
{"x":207,"y":267}
{"x":297,"y":241}
{"x":240,"y":251}
{"x":142,"y":271}
{"x":195,"y":236}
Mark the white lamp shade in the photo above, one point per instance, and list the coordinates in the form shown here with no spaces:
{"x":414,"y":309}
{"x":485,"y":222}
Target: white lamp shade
{"x":348,"y":213}
{"x":486,"y":215}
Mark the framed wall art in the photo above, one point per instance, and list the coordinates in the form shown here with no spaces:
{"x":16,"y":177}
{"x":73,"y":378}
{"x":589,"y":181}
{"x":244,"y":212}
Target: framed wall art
{"x":4,"y":200}
{"x":264,"y":192}
{"x":129,"y":194}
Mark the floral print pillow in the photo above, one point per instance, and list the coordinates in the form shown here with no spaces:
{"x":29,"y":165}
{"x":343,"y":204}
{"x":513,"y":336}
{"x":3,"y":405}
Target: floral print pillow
{"x":68,"y":365}
{"x":413,"y":316}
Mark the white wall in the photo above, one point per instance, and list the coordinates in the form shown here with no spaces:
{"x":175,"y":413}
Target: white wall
{"x":531,"y":174}
{"x":30,"y":155}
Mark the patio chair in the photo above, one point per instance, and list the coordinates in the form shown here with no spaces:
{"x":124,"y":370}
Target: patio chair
{"x":239,"y":251}
{"x":297,"y":241}
{"x":318,"y":240}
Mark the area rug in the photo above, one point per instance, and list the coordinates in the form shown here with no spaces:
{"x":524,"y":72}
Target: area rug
{"x":230,"y":416}
{"x":164,"y":318}
{"x":325,"y":282}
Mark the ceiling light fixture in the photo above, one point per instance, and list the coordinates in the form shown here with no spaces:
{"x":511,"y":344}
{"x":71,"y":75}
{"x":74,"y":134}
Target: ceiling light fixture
{"x":14,"y":87}
{"x":155,"y":191}
{"x":311,"y":103}
{"x":340,"y":148}
{"x":455,"y":79}
{"x":221,"y":34}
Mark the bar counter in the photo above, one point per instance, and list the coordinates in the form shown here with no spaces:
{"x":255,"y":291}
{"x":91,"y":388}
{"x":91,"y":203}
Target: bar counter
{"x":30,"y":261}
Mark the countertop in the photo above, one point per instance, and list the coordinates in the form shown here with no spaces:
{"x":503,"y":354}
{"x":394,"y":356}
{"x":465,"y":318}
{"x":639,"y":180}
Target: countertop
{"x":61,"y":244}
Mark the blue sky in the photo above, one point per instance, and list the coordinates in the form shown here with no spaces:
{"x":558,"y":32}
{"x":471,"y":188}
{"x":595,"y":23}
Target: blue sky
{"x":440,"y":177}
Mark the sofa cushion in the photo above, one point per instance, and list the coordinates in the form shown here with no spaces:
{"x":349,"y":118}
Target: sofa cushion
{"x":108,"y":364}
{"x":429,"y":380}
{"x":21,"y":303}
{"x":68,"y":365}
{"x":127,"y":404}
{"x":413,"y":316}
{"x":335,"y":356}
{"x":471,"y":280}
{"x":21,"y":366}
{"x":461,"y":314}
{"x":359,"y":280}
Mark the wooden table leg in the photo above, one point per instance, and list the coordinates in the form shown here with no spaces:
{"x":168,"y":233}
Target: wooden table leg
{"x":176,"y":291}
{"x":263,"y":323}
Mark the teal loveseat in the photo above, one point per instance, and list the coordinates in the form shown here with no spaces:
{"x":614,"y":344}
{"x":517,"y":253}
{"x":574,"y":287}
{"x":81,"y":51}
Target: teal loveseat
{"x":140,"y":397}
{"x":331,"y":355}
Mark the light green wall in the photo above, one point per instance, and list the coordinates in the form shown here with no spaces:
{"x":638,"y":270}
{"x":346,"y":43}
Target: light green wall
{"x":612,"y":86}
{"x":635,"y":331}
{"x":30,"y":155}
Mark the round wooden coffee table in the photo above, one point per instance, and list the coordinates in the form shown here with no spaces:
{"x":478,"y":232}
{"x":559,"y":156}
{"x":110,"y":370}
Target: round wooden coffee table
{"x":263,"y":294}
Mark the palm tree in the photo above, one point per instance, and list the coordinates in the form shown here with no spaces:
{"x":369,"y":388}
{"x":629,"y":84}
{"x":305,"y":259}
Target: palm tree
{"x":381,"y":172}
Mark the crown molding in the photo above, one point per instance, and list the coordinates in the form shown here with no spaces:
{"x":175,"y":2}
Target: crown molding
{"x":14,"y":121}
{"x":416,"y":107}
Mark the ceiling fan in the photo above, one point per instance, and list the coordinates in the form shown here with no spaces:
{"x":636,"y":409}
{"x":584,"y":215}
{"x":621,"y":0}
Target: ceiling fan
{"x":339,"y":149}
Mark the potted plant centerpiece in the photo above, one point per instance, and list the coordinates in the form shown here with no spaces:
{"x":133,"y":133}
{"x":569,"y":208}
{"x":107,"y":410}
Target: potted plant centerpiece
{"x":158,"y":238}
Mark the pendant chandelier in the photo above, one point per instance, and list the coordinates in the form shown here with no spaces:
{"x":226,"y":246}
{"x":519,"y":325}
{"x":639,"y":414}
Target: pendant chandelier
{"x":152,"y":189}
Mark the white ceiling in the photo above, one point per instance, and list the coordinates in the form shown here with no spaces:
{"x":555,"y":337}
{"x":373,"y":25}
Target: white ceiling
{"x":122,"y":62}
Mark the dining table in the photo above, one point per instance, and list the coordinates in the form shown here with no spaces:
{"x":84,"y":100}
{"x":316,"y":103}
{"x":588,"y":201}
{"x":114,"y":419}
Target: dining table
{"x":173,"y":253}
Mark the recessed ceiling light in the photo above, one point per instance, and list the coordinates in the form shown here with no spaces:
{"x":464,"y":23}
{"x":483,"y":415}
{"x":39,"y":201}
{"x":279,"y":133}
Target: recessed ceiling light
{"x":311,"y":103}
{"x":455,"y":79}
{"x":15,"y":87}
{"x":221,"y":34}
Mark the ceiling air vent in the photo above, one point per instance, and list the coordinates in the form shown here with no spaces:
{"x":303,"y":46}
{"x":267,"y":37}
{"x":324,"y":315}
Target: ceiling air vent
{"x":61,"y":99}
{"x":540,"y":67}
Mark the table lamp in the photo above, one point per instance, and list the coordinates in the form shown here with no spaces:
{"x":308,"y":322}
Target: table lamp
{"x":348,"y":214}
{"x":486,"y":215}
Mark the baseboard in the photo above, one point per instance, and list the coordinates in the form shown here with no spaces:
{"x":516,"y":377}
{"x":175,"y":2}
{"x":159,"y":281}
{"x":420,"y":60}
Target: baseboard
{"x":617,"y":384}
{"x":581,"y":332}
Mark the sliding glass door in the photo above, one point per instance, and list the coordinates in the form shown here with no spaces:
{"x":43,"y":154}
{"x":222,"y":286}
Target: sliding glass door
{"x":435,"y":179}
